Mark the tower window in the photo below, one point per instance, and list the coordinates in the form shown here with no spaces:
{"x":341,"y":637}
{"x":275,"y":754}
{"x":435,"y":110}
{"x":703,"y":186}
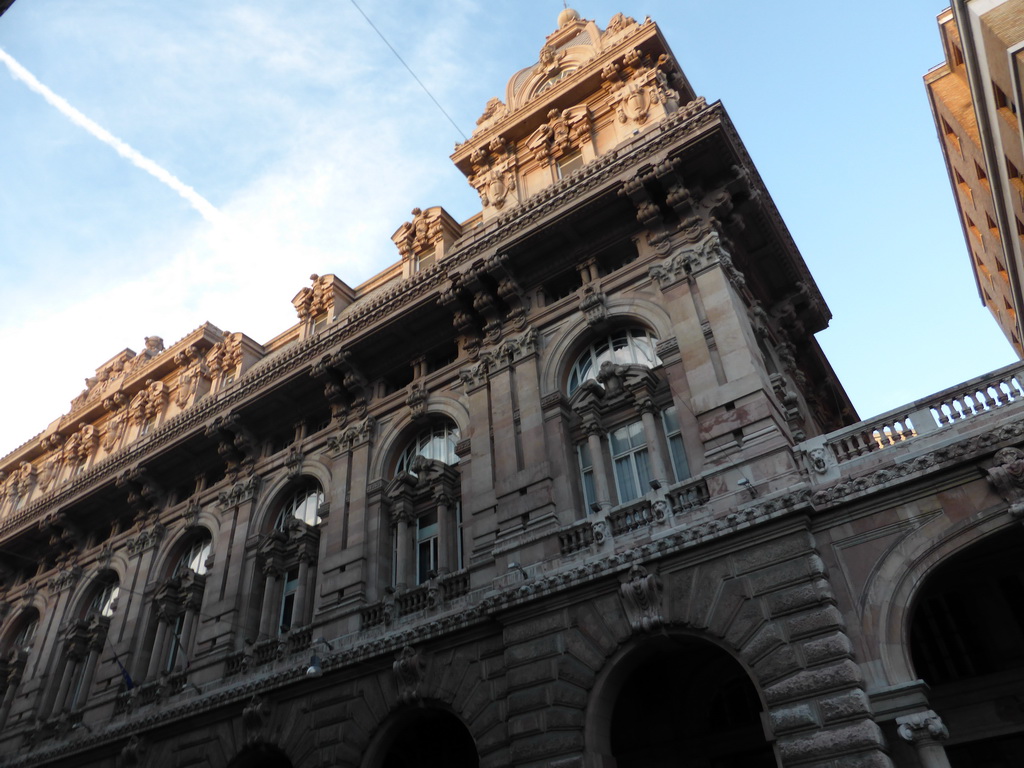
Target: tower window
{"x":568,"y":164}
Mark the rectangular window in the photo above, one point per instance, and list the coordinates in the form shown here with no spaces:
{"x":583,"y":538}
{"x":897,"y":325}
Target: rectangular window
{"x":569,"y":163}
{"x":674,"y":435}
{"x":291,"y":586}
{"x":992,"y":228}
{"x":629,"y":459}
{"x":426,"y":546}
{"x":174,"y":642}
{"x":425,"y":261}
{"x":950,"y":134}
{"x":1002,"y":101}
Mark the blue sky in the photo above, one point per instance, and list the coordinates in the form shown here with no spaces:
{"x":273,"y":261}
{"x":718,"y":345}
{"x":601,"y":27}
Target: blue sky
{"x":306,"y":134}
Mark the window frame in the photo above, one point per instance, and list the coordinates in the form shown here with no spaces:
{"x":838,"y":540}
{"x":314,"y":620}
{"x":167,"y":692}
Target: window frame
{"x":633,"y":345}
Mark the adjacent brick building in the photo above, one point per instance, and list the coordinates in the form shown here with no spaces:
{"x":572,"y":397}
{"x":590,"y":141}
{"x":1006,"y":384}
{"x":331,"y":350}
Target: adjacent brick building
{"x":975,"y":95}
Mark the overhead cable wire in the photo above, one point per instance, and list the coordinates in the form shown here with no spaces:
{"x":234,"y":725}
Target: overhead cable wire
{"x":399,"y":57}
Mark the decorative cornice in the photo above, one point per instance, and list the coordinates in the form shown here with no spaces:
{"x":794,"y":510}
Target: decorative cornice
{"x":917,"y":467}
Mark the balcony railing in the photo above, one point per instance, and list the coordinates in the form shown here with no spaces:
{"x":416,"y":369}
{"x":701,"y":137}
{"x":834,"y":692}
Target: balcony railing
{"x":944,"y":409}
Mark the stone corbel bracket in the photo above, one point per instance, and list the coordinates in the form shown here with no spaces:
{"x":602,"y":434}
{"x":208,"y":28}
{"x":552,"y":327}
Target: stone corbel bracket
{"x":235,"y":444}
{"x":641,"y":594}
{"x":345,"y":386}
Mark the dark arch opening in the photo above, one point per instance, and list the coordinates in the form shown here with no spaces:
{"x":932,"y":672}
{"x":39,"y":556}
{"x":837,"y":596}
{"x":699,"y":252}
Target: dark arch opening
{"x":260,"y":756}
{"x":967,"y":643}
{"x":430,"y":738}
{"x":688,"y":702}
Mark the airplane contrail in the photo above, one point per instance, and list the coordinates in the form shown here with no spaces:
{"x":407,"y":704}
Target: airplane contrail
{"x":205,"y":208}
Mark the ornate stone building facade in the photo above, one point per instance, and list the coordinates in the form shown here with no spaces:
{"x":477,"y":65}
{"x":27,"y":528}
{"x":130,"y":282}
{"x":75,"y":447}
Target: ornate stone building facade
{"x":571,"y":484}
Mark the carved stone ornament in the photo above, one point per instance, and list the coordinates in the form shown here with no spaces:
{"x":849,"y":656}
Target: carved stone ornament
{"x":641,"y":597}
{"x":495,"y":183}
{"x":417,"y":400}
{"x":593,"y":305}
{"x":255,"y":715}
{"x":921,"y":727}
{"x":493,"y":112}
{"x":409,"y":669}
{"x":819,"y":460}
{"x":1007,"y":477}
{"x":133,"y":752}
{"x":293,"y":462}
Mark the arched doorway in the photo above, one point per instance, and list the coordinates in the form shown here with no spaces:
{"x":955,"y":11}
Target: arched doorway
{"x":681,"y":701}
{"x":260,"y":756}
{"x":426,"y":737}
{"x":967,"y":643}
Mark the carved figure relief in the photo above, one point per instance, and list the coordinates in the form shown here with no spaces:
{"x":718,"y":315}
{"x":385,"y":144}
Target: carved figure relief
{"x":152,"y":346}
{"x":1007,"y":477}
{"x":495,"y":184}
{"x":225,"y":356}
{"x":409,"y":669}
{"x":493,"y":112}
{"x":619,"y":23}
{"x":316,"y":299}
{"x":564,"y":131}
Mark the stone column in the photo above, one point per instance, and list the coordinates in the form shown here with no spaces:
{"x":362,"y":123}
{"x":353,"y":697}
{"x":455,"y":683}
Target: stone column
{"x":402,"y":555}
{"x":159,"y":655}
{"x":653,"y":437}
{"x":299,"y":615}
{"x":925,"y":730}
{"x":184,"y":640}
{"x":596,"y":445}
{"x":270,"y":603}
{"x":71,"y":664}
{"x":13,"y":679}
{"x":444,"y":533}
{"x":88,"y":672}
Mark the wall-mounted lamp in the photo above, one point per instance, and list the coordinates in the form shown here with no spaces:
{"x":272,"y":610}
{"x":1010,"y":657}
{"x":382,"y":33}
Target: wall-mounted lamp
{"x":518,"y":567}
{"x":655,"y":484}
{"x":746,"y":485}
{"x":315,"y":668}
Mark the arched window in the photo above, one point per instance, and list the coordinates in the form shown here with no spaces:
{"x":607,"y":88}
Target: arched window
{"x":289,"y":559}
{"x":195,"y":557}
{"x":83,"y":642}
{"x":426,"y":508}
{"x":437,"y":444}
{"x":179,"y":597}
{"x":27,"y":634}
{"x":12,"y":660}
{"x":303,"y":504}
{"x":631,"y":346}
{"x":629,"y":439}
{"x":104,"y":603}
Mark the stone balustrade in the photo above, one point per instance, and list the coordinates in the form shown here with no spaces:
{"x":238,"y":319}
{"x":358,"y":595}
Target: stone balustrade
{"x":944,"y":409}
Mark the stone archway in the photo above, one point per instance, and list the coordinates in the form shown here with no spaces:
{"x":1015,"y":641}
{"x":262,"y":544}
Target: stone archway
{"x":260,"y":756}
{"x":674,"y":700}
{"x":967,"y":643}
{"x":423,"y":737}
